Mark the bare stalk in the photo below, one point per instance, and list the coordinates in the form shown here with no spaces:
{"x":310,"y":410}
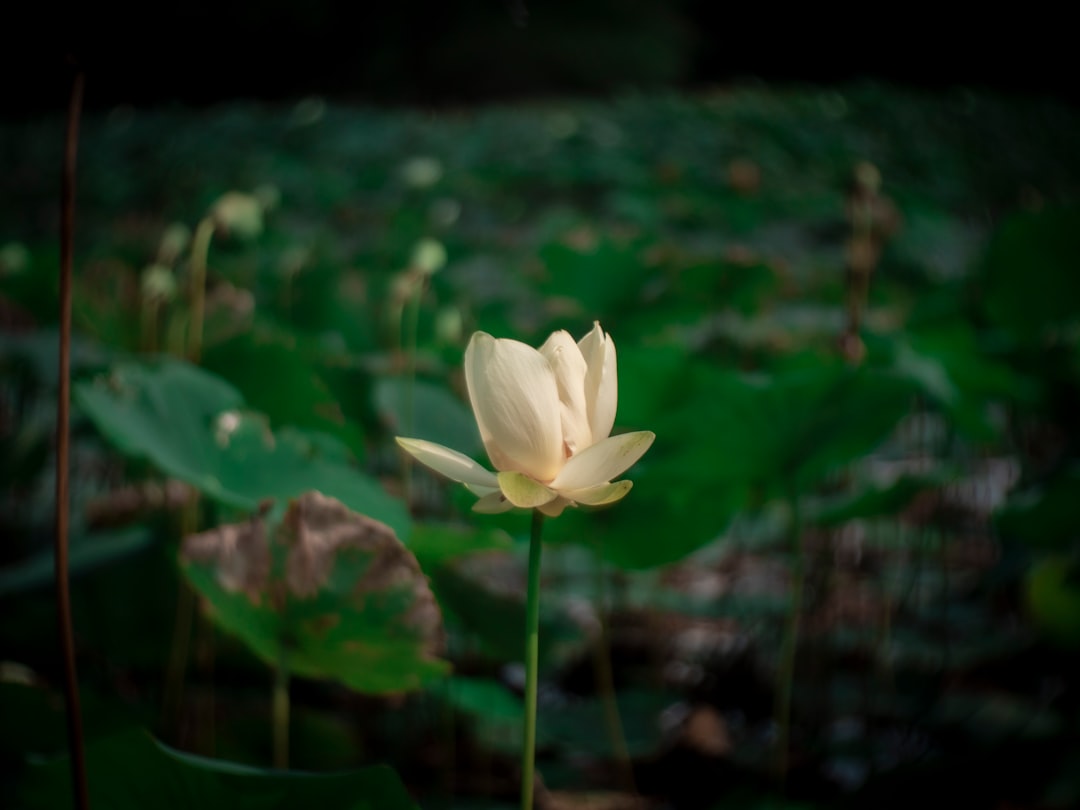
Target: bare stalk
{"x":63,"y":404}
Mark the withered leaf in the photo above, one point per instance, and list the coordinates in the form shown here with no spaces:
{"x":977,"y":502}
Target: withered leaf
{"x":331,"y":592}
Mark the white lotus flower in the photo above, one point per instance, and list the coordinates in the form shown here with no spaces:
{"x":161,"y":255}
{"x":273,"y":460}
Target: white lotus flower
{"x":545,"y":418}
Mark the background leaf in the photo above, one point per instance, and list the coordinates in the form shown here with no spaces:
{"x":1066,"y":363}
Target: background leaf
{"x":185,"y":421}
{"x":330,"y":593}
{"x":132,"y":770}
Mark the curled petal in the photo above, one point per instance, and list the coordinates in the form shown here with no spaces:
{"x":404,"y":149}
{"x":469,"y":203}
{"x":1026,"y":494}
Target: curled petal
{"x":555,"y":508}
{"x":492,"y":504}
{"x":601,"y":494}
{"x":603,"y":461}
{"x":515,"y":399}
{"x":523,"y":491}
{"x":454,"y":465}
{"x":569,"y":366}
{"x":601,"y":381}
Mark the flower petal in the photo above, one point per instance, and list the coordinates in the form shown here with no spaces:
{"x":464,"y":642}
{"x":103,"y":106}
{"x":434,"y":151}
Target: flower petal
{"x":555,"y":508}
{"x":601,"y":381}
{"x":523,"y":491}
{"x":600,"y":495}
{"x":492,"y":504}
{"x":603,"y":461}
{"x":515,"y":399}
{"x":454,"y":465}
{"x":566,"y":361}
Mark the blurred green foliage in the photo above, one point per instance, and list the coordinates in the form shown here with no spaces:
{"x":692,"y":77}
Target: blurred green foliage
{"x":932,"y":460}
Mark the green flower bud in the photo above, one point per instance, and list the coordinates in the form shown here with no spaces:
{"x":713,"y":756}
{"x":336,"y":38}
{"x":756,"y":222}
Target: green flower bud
{"x":428,"y":256}
{"x":238,"y":214}
{"x":173,"y":242}
{"x":14,"y":259}
{"x":422,"y":171}
{"x":157,"y":283}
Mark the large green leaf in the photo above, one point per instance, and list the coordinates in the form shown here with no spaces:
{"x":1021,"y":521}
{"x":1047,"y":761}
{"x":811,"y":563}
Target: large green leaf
{"x":602,"y":279}
{"x":435,"y":415}
{"x":791,"y":427}
{"x":673,"y":510}
{"x":1032,"y":275}
{"x":188,"y":423}
{"x":324,"y":591}
{"x":435,"y":544}
{"x":948,"y":368}
{"x":276,"y":378}
{"x":86,"y":553}
{"x":730,"y":436}
{"x":495,"y":714}
{"x":496,"y":616}
{"x":132,"y":770}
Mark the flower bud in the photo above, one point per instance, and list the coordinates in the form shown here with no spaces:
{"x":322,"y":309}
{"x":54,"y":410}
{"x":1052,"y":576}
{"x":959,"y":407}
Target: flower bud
{"x":173,"y":242}
{"x":14,"y":259}
{"x":238,"y":214}
{"x":157,"y":284}
{"x":428,"y":257}
{"x":449,"y":326}
{"x":422,"y":171}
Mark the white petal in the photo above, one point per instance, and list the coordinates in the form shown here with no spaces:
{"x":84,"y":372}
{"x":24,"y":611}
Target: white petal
{"x":516,"y":403}
{"x":601,"y":381}
{"x":599,"y":495}
{"x":492,"y":504}
{"x":603,"y":461}
{"x":481,"y":492}
{"x":454,"y":465}
{"x":569,"y":367}
{"x":523,"y":491}
{"x":555,"y":508}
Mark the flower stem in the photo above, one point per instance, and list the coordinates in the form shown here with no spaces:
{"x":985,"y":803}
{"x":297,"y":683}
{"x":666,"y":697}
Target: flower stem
{"x":281,"y":713}
{"x":532,"y":657}
{"x":411,"y":318}
{"x":63,"y":506}
{"x":200,"y":250}
{"x":605,"y":683}
{"x":785,"y":674}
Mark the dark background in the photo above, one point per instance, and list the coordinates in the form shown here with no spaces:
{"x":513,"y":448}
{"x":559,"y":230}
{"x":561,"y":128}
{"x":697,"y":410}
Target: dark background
{"x":446,"y":53}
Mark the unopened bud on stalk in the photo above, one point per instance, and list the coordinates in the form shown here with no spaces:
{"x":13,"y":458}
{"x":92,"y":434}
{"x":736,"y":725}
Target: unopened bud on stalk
{"x":238,"y":214}
{"x":173,"y":242}
{"x":422,"y":171}
{"x":14,"y":259}
{"x":428,"y":257}
{"x":867,"y":177}
{"x":449,"y":326}
{"x":157,"y":284}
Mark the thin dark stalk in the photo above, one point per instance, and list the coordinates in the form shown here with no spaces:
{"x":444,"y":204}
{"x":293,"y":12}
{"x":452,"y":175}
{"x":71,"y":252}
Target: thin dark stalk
{"x":786,"y":669}
{"x":63,"y":592}
{"x":281,"y":712}
{"x":532,"y":658}
{"x":605,"y":683}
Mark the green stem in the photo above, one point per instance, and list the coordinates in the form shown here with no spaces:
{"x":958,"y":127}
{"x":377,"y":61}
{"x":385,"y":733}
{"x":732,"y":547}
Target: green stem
{"x":532,"y":658}
{"x":785,"y":675}
{"x":281,"y":714}
{"x":605,"y":684}
{"x":173,"y":700}
{"x":412,"y":326}
{"x":148,"y":316}
{"x":200,"y":250}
